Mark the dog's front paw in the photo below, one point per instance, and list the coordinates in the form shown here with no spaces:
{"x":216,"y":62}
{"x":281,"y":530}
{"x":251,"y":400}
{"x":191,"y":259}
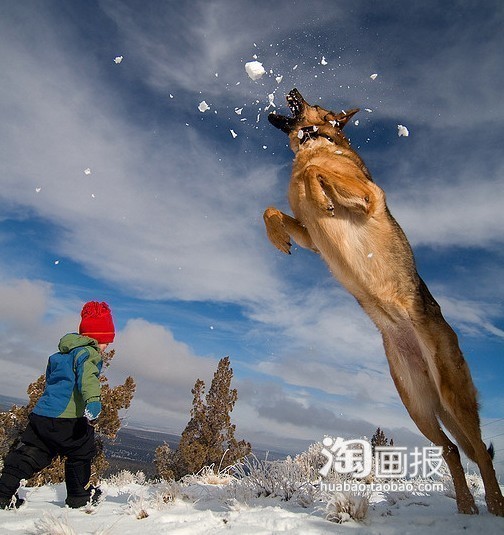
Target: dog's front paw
{"x":275,"y":229}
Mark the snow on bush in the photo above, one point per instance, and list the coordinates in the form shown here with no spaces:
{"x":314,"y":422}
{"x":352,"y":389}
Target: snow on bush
{"x":52,"y":525}
{"x":137,"y":506}
{"x":125,"y":478}
{"x":209,"y":476}
{"x":167,"y":492}
{"x":282,"y":479}
{"x":311,"y":461}
{"x":344,"y":506}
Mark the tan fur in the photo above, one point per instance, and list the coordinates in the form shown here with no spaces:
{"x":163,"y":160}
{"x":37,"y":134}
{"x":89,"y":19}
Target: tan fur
{"x":340,"y":213}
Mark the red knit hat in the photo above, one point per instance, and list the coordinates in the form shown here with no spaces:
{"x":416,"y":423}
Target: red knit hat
{"x":97,"y":322}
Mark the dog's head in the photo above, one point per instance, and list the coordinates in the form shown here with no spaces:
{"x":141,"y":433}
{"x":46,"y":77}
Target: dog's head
{"x":309,"y":121}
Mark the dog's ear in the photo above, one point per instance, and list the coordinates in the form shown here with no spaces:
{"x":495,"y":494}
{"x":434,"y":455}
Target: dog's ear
{"x":343,"y":117}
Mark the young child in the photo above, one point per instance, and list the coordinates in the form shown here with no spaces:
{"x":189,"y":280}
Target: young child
{"x":61,"y":422}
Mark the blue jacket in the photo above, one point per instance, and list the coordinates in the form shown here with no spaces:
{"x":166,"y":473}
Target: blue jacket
{"x":72,"y":378}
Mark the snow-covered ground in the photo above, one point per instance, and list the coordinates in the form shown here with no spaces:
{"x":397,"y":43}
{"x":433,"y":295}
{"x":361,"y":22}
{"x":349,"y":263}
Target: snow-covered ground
{"x":133,"y":507}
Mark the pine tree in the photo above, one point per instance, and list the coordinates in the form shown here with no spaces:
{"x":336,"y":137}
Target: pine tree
{"x":194,"y":440}
{"x":164,"y":461}
{"x":379,"y":439}
{"x":13,"y":423}
{"x":220,"y":402}
{"x":208,"y":439}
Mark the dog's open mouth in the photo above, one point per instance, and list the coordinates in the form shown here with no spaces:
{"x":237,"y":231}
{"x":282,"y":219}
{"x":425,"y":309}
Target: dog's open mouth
{"x":296,"y":102}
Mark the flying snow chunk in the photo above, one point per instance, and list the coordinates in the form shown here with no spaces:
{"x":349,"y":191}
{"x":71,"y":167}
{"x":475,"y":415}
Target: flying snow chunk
{"x":279,"y":79}
{"x":233,"y":133}
{"x":118,"y":59}
{"x":323,"y":61}
{"x":203,"y":106}
{"x":238,"y":111}
{"x":373,"y":76}
{"x":271,"y":101}
{"x":87,"y":171}
{"x":255,"y":69}
{"x":38,"y":190}
{"x":402,"y":131}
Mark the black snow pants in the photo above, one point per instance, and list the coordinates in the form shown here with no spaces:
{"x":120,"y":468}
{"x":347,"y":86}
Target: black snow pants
{"x":43,"y":439}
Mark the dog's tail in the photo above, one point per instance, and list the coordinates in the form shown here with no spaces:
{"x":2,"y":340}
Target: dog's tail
{"x":491,"y":451}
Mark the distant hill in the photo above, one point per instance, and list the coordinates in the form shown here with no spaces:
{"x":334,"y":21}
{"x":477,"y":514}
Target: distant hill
{"x":6,"y":402}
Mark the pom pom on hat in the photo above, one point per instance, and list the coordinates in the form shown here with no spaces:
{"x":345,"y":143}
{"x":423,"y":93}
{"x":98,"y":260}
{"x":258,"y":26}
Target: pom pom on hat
{"x":97,"y":322}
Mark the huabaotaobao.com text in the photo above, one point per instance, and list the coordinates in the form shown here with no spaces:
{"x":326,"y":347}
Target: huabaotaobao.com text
{"x":385,"y":486}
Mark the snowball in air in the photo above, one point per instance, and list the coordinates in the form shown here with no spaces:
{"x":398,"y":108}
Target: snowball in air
{"x":373,"y":76}
{"x":402,"y":131}
{"x":118,"y":59}
{"x":323,"y":61}
{"x":87,"y":171}
{"x":254,"y":69}
{"x":233,"y":133}
{"x":271,"y":101}
{"x":203,"y":106}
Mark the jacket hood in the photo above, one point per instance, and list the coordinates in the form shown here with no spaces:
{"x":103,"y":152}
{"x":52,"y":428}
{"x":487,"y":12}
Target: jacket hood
{"x":72,"y":340}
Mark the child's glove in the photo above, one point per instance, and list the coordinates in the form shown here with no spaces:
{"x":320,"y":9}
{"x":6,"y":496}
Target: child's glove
{"x":92,"y":410}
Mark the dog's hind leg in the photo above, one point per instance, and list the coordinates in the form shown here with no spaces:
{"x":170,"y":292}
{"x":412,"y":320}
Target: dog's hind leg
{"x":458,"y":408}
{"x":421,"y":399}
{"x":474,"y":447}
{"x":281,"y":227}
{"x":459,"y":412}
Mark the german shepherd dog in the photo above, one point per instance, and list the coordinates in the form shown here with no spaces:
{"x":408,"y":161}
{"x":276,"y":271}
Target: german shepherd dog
{"x":341,"y":214}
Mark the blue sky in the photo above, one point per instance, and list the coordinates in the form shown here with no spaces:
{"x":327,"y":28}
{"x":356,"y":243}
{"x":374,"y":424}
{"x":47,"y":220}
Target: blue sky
{"x":167,"y":227}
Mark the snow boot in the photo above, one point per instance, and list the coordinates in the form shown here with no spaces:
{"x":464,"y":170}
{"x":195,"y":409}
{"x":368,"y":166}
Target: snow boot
{"x":79,"y":489}
{"x":76,"y":502}
{"x":18,"y":465}
{"x":14,"y":502}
